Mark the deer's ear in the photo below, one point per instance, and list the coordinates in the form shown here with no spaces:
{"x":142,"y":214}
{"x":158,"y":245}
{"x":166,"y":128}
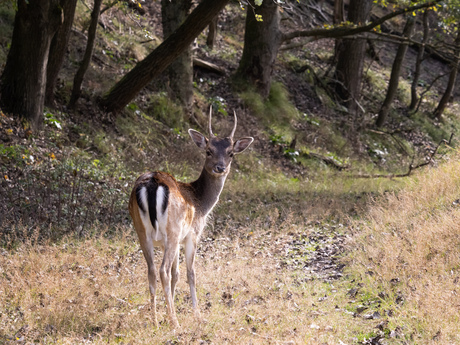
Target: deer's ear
{"x":199,"y":139}
{"x":242,"y":144}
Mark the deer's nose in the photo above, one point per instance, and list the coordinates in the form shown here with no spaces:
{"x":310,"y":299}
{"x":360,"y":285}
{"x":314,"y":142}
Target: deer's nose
{"x":219,"y":169}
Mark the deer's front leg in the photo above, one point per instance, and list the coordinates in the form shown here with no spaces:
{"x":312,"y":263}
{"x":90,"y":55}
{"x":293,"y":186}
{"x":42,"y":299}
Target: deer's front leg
{"x":190,"y":250}
{"x":174,"y":274}
{"x":170,"y":253}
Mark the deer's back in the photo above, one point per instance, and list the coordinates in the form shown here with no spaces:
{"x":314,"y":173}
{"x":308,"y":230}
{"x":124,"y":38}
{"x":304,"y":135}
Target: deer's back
{"x":159,"y":205}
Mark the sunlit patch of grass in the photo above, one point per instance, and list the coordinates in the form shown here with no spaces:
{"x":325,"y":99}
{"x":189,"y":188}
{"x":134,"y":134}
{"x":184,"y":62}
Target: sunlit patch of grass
{"x":408,"y":253}
{"x":277,"y":111}
{"x":437,"y":131}
{"x":96,"y":289}
{"x":268,"y":195}
{"x":404,"y":91}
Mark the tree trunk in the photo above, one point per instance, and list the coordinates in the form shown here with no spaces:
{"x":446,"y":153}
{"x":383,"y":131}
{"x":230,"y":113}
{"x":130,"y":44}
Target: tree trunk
{"x":339,"y":16}
{"x":23,"y":81}
{"x":78,"y":79}
{"x":173,"y":14}
{"x":395,"y":73}
{"x":452,"y":78}
{"x":212,"y":33}
{"x":350,"y":61}
{"x":418,"y":62}
{"x":262,"y":40}
{"x":157,"y":61}
{"x":58,"y":49}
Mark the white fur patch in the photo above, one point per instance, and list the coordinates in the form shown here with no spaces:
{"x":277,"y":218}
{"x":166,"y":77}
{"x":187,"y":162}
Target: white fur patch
{"x":162,"y":218}
{"x":143,"y":195}
{"x":152,"y":230}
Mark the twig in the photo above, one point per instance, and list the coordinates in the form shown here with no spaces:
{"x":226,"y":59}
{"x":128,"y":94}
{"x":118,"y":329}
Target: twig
{"x":411,"y":166}
{"x":109,"y":6}
{"x":392,"y":135}
{"x":428,"y":89}
{"x":328,"y":160}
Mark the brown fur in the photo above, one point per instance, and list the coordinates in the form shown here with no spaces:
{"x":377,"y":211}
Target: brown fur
{"x":184,"y":217}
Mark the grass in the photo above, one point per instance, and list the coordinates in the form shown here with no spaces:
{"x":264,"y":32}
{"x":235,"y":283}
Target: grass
{"x":408,"y":252}
{"x":95,"y":290}
{"x":276,"y":111}
{"x":83,"y":279}
{"x":91,"y":286}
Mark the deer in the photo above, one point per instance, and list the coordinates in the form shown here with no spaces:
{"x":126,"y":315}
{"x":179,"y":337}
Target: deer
{"x":167,"y":213}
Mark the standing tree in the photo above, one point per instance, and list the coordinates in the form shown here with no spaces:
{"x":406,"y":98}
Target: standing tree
{"x":78,"y":79}
{"x":452,"y":78}
{"x":23,"y":81}
{"x":350,"y":57}
{"x":212,"y":33}
{"x":418,"y":62}
{"x":395,"y":73}
{"x":173,"y":14}
{"x":262,"y":39}
{"x":58,"y":49}
{"x":157,"y":61}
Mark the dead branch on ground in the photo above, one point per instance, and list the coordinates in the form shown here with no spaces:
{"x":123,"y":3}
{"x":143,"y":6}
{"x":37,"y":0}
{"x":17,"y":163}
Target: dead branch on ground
{"x":411,"y":166}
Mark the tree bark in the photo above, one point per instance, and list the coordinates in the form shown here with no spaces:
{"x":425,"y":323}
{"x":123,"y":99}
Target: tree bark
{"x":58,"y":49}
{"x":212,"y":33}
{"x":395,"y":73}
{"x":173,"y":14}
{"x":452,"y":78}
{"x":418,"y":62}
{"x":78,"y":79}
{"x":262,"y":40}
{"x":23,"y":81}
{"x":350,"y":61}
{"x":337,"y":18}
{"x":339,"y":11}
{"x":157,"y":61}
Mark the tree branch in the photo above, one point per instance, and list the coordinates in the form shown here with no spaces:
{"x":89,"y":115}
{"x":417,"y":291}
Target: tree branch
{"x":411,"y":166}
{"x":316,"y":34}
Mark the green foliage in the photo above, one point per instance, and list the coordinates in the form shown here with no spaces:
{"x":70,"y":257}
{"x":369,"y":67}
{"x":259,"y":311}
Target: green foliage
{"x":18,"y":154}
{"x":288,"y":152}
{"x":166,"y":111}
{"x":436,"y":131}
{"x":52,"y":121}
{"x":311,"y":120}
{"x":218,"y":105}
{"x":276,"y":111}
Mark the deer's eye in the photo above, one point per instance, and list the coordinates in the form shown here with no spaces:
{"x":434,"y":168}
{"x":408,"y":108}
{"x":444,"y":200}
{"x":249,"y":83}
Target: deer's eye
{"x":231,"y":154}
{"x":208,"y":153}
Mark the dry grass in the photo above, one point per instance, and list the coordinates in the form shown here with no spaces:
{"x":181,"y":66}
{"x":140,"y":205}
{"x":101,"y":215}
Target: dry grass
{"x":405,"y":266}
{"x":410,"y":254}
{"x":95,"y":291}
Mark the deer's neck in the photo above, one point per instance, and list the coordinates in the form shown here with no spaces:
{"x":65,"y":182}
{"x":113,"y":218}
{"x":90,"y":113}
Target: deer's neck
{"x":206,"y":191}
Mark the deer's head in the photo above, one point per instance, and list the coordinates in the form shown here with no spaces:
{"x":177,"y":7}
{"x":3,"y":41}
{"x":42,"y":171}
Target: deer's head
{"x":219,"y":151}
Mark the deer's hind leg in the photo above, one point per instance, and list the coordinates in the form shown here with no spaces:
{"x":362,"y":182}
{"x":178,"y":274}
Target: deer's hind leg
{"x":171,"y":253}
{"x":149,"y":255}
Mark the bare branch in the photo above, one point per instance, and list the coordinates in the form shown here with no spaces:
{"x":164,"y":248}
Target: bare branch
{"x":411,"y":166}
{"x":316,"y":34}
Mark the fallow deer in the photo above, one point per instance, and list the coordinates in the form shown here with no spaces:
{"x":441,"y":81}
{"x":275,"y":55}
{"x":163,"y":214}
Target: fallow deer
{"x":167,"y":212}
